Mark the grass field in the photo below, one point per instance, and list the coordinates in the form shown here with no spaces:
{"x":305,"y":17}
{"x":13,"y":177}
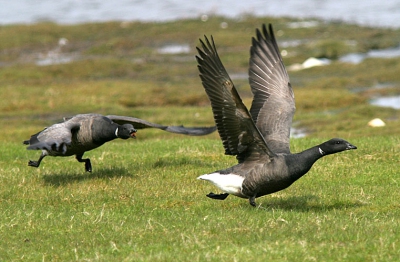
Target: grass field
{"x":142,"y":201}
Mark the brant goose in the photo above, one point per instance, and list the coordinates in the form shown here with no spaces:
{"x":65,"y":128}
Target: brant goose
{"x":259,"y":138}
{"x":85,"y":132}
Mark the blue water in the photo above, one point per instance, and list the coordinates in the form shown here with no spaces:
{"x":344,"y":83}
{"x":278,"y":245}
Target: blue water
{"x":372,"y":12}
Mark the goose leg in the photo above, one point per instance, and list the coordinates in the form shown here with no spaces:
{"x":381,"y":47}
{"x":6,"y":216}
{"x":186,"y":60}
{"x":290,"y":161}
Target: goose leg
{"x":88,"y":165}
{"x":252,"y":201}
{"x":218,"y":196}
{"x":37,"y":163}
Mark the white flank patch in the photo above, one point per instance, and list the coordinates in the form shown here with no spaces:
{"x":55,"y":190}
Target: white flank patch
{"x":229,"y":183}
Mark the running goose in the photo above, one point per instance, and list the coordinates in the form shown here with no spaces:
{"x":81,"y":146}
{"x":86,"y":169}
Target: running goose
{"x":85,"y":132}
{"x":259,"y":138}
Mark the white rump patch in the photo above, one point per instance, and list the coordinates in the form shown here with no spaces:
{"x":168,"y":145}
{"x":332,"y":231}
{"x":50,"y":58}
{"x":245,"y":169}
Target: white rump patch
{"x":229,"y":183}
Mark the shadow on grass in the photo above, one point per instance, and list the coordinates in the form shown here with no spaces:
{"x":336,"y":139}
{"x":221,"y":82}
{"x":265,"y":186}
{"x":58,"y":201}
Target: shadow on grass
{"x":57,"y":180}
{"x":173,"y":161}
{"x":306,"y":203}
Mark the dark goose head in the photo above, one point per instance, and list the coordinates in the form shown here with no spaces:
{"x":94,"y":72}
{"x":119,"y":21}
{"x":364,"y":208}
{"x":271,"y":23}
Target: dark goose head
{"x":126,"y":131}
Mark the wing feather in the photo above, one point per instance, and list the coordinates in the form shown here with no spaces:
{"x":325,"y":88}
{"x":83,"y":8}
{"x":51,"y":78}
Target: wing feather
{"x":273,"y":105}
{"x":53,"y":138}
{"x":140,"y":124}
{"x":235,"y":126}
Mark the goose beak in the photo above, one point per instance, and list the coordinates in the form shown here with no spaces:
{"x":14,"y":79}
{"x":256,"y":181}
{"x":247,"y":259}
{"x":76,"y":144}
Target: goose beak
{"x":133,"y":133}
{"x":350,"y":146}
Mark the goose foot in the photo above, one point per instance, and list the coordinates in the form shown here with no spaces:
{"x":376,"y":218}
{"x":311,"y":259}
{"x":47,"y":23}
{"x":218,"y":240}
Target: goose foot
{"x":88,"y":165}
{"x":218,"y":196}
{"x":33,"y":163}
{"x":37,"y":163}
{"x":252,"y":201}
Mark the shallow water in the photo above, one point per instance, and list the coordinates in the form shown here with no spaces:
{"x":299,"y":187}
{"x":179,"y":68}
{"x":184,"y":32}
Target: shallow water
{"x":298,"y":132}
{"x":387,"y":101}
{"x":377,"y":86}
{"x":173,"y":49}
{"x":371,"y":13}
{"x":356,"y":58}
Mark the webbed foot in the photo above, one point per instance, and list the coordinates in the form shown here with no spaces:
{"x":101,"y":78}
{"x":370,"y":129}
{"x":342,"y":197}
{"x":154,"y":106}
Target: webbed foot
{"x":37,"y":163}
{"x":218,"y":196}
{"x":88,"y":166}
{"x":252,"y":201}
{"x":33,"y":163}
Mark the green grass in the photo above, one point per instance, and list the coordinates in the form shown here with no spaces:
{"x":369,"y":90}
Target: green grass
{"x":142,"y":201}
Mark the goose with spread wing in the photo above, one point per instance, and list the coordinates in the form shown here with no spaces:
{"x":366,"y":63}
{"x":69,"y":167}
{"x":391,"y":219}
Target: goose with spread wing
{"x":259,"y":138}
{"x":85,"y":132}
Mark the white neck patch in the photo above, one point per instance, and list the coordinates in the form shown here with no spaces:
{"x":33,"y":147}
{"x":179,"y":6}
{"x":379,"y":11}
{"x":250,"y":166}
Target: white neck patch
{"x":116,"y":132}
{"x":321,"y":151}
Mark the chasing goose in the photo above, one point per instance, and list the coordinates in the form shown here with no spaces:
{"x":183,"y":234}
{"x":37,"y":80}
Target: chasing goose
{"x":260,"y":138}
{"x":85,"y":132}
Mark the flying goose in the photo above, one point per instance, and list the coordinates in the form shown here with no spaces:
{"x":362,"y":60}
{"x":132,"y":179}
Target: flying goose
{"x":85,"y":132}
{"x":259,"y":138}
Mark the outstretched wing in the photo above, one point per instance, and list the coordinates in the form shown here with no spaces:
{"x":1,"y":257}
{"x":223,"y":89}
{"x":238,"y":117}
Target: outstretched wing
{"x":236,"y":128}
{"x":273,"y":105}
{"x":140,"y":124}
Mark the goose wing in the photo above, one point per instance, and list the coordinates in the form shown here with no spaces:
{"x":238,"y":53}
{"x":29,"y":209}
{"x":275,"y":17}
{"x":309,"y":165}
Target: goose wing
{"x":235,"y":126}
{"x":273,"y":104}
{"x":54,"y":138}
{"x":140,"y":124}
